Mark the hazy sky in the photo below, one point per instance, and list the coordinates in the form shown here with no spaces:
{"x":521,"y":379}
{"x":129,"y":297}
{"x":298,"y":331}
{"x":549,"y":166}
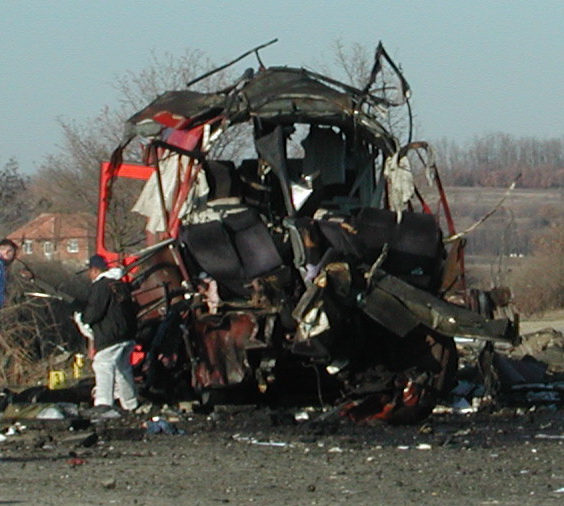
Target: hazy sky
{"x":474,"y":67}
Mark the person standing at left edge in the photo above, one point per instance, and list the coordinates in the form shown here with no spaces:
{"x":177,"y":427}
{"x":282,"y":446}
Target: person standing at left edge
{"x":8,"y":251}
{"x":111,"y":314}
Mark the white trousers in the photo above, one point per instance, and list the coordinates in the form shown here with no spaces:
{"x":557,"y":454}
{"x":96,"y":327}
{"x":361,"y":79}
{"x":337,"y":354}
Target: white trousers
{"x":114,"y":377}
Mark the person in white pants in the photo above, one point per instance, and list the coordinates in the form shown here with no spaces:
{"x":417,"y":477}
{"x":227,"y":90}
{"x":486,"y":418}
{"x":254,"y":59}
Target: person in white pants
{"x":114,"y":377}
{"x":111,"y":314}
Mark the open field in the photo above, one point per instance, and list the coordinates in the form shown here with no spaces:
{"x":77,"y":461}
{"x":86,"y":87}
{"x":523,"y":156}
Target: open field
{"x":520,"y":200}
{"x":502,"y":245}
{"x":528,"y":208}
{"x":551,"y":319}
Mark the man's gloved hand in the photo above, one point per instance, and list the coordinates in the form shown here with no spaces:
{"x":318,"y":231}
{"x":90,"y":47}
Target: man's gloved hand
{"x":84,"y":328}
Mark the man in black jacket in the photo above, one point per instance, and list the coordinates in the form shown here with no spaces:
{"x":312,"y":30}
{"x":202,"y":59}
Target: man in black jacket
{"x":111,"y":315}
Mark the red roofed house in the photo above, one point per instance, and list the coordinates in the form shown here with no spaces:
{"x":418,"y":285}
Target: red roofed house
{"x":68,"y":238}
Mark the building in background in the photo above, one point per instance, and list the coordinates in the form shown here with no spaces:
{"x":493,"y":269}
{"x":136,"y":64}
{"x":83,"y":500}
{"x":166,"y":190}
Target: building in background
{"x":66,"y":238}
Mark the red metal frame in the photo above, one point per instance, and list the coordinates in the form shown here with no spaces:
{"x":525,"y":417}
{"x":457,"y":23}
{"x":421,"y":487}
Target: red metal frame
{"x":107,"y":173}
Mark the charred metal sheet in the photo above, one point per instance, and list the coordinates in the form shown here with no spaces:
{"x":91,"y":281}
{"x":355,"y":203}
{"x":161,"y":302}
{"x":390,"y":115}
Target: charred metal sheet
{"x":412,"y":306}
{"x":389,"y":311}
{"x":284,"y":95}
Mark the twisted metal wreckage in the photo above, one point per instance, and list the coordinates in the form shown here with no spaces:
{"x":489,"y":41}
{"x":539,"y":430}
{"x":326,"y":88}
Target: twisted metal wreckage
{"x":315,"y":276}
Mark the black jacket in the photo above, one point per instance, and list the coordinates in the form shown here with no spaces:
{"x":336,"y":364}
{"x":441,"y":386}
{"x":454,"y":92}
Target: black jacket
{"x":110,"y":314}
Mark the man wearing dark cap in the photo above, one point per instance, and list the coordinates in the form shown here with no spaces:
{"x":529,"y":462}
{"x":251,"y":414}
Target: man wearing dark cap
{"x":111,"y":315}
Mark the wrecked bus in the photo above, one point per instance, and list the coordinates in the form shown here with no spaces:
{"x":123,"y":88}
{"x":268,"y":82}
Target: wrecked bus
{"x":309,"y":270}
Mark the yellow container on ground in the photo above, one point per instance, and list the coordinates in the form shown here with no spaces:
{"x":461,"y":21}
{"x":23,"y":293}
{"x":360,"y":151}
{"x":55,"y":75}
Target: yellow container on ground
{"x":57,"y":379}
{"x":78,"y":366}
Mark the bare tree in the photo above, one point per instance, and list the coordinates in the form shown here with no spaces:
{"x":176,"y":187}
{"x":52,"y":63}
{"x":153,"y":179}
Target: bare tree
{"x":352,"y":64}
{"x":68,"y":178}
{"x":15,"y":205}
{"x":67,"y":181}
{"x":168,"y":72}
{"x":163,"y":72}
{"x":496,"y":159}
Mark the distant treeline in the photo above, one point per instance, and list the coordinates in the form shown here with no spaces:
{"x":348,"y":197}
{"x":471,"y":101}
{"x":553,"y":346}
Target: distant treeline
{"x":495,"y":160}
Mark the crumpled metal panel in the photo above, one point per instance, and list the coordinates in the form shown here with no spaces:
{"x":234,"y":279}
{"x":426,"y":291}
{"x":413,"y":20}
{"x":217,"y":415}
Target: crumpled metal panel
{"x":272,"y":93}
{"x":181,"y":105}
{"x":400,"y":307}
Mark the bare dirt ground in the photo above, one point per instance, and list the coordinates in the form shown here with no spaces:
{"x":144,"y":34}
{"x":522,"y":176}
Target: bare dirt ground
{"x":242,"y":455}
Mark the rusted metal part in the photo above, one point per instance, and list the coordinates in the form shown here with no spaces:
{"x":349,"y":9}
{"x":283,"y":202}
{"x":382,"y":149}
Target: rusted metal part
{"x":221,"y":344}
{"x":156,"y":282}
